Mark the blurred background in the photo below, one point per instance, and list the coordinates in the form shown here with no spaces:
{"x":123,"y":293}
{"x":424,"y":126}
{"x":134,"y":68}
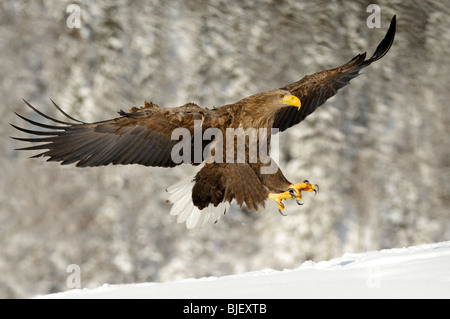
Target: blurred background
{"x":379,"y":150}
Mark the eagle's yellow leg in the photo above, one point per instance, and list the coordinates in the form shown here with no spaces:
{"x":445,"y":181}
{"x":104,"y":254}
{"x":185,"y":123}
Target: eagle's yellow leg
{"x":278,"y":197}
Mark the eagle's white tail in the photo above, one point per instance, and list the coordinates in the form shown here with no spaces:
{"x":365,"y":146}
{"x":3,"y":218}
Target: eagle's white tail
{"x":183,"y":207}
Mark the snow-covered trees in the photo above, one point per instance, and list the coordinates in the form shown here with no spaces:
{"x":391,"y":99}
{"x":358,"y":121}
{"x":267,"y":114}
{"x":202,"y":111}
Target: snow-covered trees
{"x":379,"y":150}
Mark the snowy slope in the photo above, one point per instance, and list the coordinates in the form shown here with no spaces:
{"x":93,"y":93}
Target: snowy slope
{"x":415,"y":272}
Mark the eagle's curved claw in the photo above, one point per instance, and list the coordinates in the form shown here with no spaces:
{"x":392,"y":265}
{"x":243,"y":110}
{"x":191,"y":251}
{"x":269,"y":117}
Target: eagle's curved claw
{"x":292,"y":192}
{"x":278,"y":197}
{"x":296,"y":196}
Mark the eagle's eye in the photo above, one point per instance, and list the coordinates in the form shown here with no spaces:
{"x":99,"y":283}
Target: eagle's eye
{"x":281,"y":95}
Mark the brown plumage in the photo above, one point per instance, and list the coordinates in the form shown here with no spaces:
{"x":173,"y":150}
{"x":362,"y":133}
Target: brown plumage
{"x":144,"y":136}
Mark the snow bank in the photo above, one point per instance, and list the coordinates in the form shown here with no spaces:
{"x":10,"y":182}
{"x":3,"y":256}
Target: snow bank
{"x":415,"y":272}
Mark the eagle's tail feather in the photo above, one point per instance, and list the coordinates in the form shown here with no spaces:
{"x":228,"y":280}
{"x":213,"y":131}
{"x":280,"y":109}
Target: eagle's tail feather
{"x":185,"y":210}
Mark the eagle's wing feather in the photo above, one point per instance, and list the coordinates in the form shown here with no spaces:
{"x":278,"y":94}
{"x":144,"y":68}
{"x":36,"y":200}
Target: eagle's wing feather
{"x":142,"y":136}
{"x":313,"y":90}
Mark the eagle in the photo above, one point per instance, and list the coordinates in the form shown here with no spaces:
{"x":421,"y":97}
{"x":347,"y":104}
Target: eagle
{"x":154,"y":135}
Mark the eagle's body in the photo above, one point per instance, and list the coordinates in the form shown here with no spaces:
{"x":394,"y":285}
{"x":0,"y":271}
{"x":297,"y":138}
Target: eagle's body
{"x":146,"y":136}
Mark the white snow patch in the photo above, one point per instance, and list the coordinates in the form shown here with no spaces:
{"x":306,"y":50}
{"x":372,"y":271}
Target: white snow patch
{"x":415,"y":272}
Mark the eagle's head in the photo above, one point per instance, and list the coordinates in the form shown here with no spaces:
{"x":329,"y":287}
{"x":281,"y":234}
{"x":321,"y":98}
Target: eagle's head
{"x":259,"y":109}
{"x":272,"y":99}
{"x":286,"y":97}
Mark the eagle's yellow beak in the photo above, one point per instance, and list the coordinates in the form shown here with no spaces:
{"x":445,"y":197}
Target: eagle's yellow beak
{"x":292,"y":100}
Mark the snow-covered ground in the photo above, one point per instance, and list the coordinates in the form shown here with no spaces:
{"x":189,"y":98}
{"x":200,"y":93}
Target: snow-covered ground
{"x":414,"y":272}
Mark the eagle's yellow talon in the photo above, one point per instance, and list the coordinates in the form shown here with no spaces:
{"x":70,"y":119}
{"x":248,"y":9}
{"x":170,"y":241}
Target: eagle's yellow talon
{"x":278,"y":197}
{"x":294,"y":192}
{"x":306,"y":186}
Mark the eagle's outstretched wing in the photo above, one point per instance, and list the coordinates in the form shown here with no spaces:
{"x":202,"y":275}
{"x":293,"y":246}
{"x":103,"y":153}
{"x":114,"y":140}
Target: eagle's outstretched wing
{"x":313,"y":90}
{"x":142,"y":136}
